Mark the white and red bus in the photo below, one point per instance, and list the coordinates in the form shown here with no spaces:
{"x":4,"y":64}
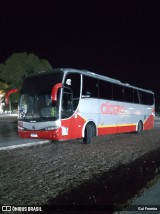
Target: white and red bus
{"x":67,"y":103}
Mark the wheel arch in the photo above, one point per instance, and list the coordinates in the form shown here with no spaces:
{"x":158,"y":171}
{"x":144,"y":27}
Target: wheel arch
{"x":140,"y":121}
{"x":84,"y":127}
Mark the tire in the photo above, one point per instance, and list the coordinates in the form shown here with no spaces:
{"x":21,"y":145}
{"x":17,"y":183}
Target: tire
{"x":139,"y":128}
{"x":90,"y":132}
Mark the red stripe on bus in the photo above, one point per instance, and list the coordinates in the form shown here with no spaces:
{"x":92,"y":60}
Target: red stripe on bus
{"x":116,"y":129}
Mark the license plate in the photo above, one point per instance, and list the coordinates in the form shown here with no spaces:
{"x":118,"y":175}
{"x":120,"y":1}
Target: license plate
{"x":34,"y":135}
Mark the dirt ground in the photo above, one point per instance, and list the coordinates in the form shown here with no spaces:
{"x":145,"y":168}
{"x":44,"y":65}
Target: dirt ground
{"x":39,"y":174}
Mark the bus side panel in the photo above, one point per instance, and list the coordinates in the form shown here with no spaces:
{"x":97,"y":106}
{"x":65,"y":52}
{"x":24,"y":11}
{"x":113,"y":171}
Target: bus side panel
{"x":71,"y":128}
{"x":149,"y":123}
{"x":113,"y":117}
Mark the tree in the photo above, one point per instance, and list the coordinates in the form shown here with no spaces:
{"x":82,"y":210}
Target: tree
{"x":16,"y":68}
{"x":20,"y":65}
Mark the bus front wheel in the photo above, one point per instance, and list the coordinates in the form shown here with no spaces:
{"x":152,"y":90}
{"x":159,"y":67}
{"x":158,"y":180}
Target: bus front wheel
{"x":90,"y":132}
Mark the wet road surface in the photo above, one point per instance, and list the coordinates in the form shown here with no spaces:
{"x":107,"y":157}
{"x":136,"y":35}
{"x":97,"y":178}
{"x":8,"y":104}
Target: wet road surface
{"x":9,"y":134}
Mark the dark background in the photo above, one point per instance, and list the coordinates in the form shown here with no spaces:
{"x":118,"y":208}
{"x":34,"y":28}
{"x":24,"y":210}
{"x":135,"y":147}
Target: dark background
{"x":119,"y":39}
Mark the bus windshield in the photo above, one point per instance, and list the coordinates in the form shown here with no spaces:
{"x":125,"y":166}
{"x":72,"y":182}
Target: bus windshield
{"x":35,"y":101}
{"x":37,"y":107}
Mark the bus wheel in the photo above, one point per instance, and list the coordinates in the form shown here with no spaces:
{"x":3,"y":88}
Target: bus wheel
{"x":90,"y":132}
{"x":140,"y":127}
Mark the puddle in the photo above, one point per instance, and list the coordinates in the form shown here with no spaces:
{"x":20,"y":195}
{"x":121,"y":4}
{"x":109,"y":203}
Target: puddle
{"x":108,"y":192}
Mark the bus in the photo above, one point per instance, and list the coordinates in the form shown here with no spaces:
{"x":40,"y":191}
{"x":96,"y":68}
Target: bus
{"x":68,"y":104}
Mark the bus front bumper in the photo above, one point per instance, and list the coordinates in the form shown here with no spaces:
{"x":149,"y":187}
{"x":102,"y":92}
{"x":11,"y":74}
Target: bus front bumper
{"x":48,"y":135}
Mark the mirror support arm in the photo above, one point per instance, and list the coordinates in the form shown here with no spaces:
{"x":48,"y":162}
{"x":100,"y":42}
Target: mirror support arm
{"x":15,"y":90}
{"x":55,"y":90}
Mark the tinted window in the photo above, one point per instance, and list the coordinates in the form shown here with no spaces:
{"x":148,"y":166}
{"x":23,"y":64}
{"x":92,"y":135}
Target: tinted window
{"x":128,"y":94}
{"x":41,"y":83}
{"x":73,"y":81}
{"x":118,"y":92}
{"x":67,"y":103}
{"x":90,"y":87}
{"x":146,"y":98}
{"x":140,"y":97}
{"x":135,"y":96}
{"x":105,"y":90}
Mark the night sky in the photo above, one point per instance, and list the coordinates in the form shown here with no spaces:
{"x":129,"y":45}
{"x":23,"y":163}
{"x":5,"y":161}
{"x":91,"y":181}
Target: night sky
{"x":119,"y":39}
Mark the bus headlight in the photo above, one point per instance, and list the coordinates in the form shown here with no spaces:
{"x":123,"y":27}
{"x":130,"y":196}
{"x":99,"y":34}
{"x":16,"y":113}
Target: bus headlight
{"x":20,"y":128}
{"x":20,"y":125}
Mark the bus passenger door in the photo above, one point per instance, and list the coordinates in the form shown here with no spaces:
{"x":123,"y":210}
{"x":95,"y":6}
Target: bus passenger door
{"x":70,"y":101}
{"x":67,"y":103}
{"x":67,"y":113}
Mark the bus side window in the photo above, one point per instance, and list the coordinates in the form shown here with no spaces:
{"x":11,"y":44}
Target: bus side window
{"x":118,"y":92}
{"x":140,"y":97}
{"x":146,"y":98}
{"x":90,"y":87}
{"x":135,"y":96}
{"x":128,"y":94}
{"x":105,"y":90}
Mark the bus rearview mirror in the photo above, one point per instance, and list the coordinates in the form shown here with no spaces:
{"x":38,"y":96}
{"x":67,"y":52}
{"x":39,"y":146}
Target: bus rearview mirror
{"x":15,"y":90}
{"x":55,"y":90}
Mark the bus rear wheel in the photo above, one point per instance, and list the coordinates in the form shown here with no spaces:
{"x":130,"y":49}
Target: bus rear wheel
{"x":90,"y":132}
{"x":140,"y":127}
